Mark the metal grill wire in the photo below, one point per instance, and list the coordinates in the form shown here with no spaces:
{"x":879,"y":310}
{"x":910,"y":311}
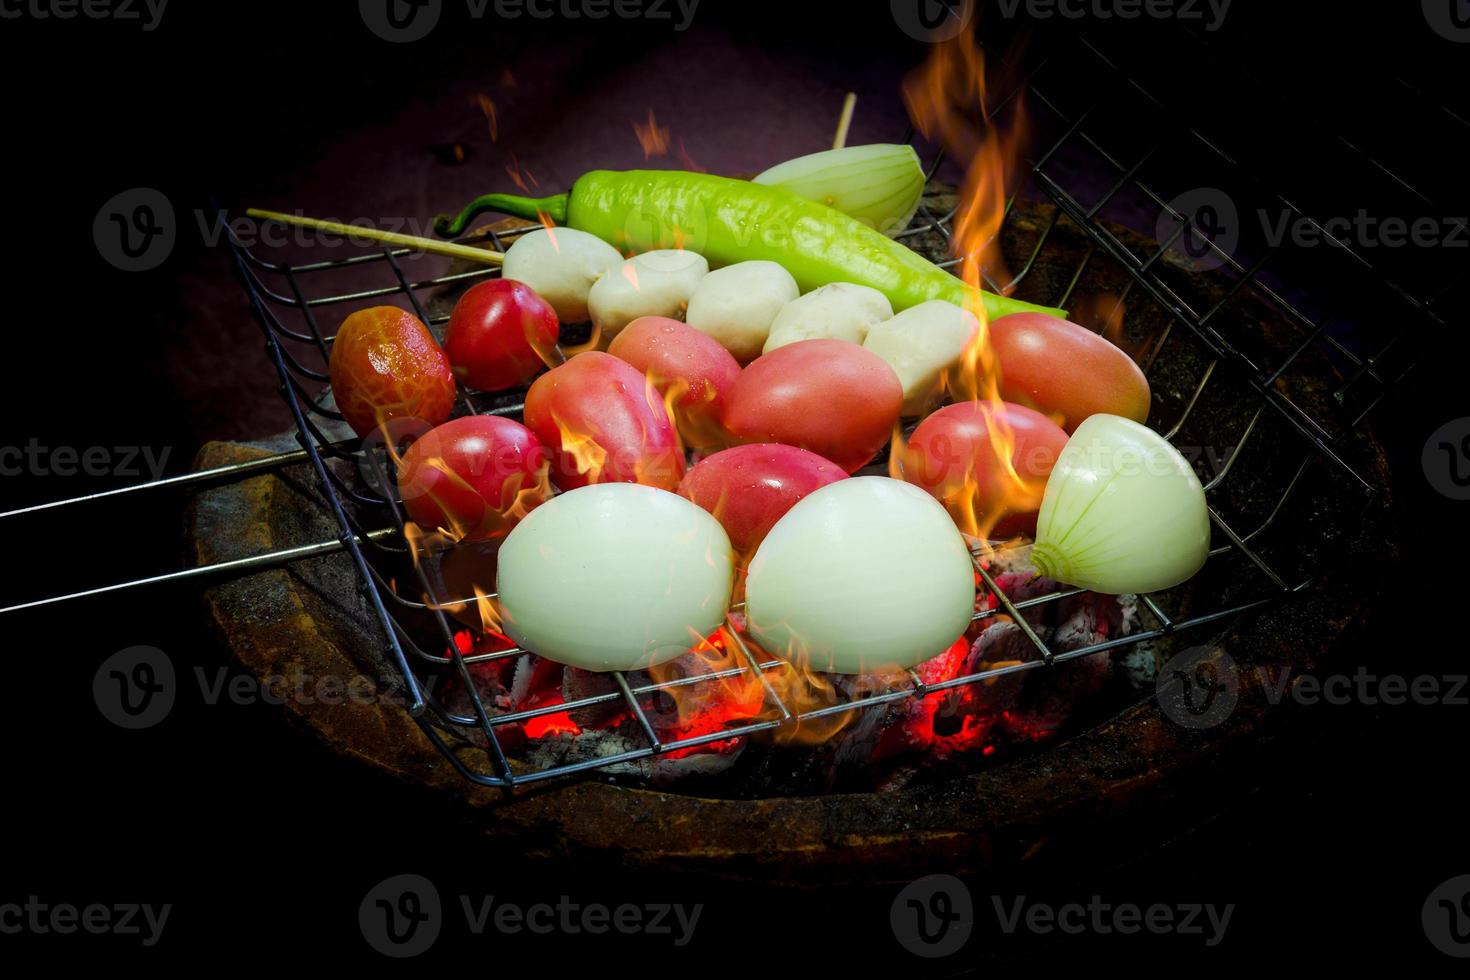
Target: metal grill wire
{"x":1205,"y":330}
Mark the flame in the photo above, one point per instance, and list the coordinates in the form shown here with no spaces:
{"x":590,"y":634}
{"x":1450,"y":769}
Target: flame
{"x":524,"y":180}
{"x":692,"y":410}
{"x":487,"y":106}
{"x":652,"y":137}
{"x":946,"y":99}
{"x":587,"y":456}
{"x":688,"y":161}
{"x":630,"y":273}
{"x":1103,"y":313}
{"x":518,"y":497}
{"x":740,"y":698}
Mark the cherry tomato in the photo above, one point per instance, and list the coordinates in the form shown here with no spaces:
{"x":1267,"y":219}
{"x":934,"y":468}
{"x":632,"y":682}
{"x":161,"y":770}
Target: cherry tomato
{"x":953,"y":455}
{"x":604,"y":423}
{"x":385,"y":365}
{"x":749,"y":488}
{"x":1066,"y":371}
{"x":473,"y":476}
{"x":495,"y":332}
{"x":692,"y":365}
{"x":831,"y":397}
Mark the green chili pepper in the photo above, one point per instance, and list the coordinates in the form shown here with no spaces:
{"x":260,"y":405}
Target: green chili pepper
{"x":728,"y":221}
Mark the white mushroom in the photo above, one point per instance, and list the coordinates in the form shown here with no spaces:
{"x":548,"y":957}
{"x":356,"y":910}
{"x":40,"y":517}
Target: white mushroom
{"x":919,"y":344}
{"x":657,"y":283}
{"x":837,"y":311}
{"x":736,"y":305}
{"x":560,"y":264}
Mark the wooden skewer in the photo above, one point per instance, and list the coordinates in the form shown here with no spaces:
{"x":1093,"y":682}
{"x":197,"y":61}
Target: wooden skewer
{"x":430,"y":245}
{"x":845,"y":120}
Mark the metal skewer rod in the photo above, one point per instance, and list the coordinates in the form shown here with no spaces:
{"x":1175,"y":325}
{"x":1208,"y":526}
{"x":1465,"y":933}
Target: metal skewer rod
{"x":229,"y":471}
{"x":433,"y":246}
{"x":253,"y":563}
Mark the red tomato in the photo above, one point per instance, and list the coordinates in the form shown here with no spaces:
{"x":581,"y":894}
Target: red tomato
{"x":605,"y":423}
{"x":1066,"y":371}
{"x":951,"y":454}
{"x":495,"y":332}
{"x":829,"y":396}
{"x":749,"y":488}
{"x":692,"y":365}
{"x":385,"y":365}
{"x":473,"y":476}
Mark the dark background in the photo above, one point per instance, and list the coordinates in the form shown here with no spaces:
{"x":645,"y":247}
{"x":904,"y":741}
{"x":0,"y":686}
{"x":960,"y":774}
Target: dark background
{"x":263,"y":842}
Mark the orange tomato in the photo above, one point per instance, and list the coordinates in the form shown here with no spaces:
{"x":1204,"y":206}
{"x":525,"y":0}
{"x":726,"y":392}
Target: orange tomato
{"x":385,"y":365}
{"x":951,"y":455}
{"x":604,"y":423}
{"x":830,"y":397}
{"x":679,"y":359}
{"x":1066,"y":371}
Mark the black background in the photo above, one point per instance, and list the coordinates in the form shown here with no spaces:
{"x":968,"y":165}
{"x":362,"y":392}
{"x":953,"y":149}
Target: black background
{"x":263,"y":843}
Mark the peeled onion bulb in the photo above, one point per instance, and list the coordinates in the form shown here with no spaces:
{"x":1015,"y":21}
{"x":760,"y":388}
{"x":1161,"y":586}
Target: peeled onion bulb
{"x":862,"y":574}
{"x":1123,"y":512}
{"x":614,"y":576}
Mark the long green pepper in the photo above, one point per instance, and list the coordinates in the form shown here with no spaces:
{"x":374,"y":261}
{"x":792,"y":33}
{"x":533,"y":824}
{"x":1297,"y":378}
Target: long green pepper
{"x":728,"y":221}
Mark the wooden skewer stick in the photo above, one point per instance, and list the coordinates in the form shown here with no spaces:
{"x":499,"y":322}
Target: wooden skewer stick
{"x":430,"y":245}
{"x":845,"y":120}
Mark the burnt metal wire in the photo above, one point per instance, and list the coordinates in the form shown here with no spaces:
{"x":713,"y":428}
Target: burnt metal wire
{"x":290,"y":310}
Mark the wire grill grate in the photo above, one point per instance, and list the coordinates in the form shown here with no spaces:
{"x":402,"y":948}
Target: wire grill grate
{"x":290,"y":302}
{"x":1207,"y":329}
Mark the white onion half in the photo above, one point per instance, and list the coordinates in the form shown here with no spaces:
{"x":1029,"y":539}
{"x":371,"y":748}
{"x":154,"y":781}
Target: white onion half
{"x":1123,"y":512}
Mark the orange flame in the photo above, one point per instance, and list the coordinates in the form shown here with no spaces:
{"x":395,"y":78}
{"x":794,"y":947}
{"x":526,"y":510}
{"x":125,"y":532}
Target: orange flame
{"x":525,"y":182}
{"x":652,"y":137}
{"x":487,"y":107}
{"x":587,"y":456}
{"x":741,"y":697}
{"x":946,"y":98}
{"x":1103,"y":313}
